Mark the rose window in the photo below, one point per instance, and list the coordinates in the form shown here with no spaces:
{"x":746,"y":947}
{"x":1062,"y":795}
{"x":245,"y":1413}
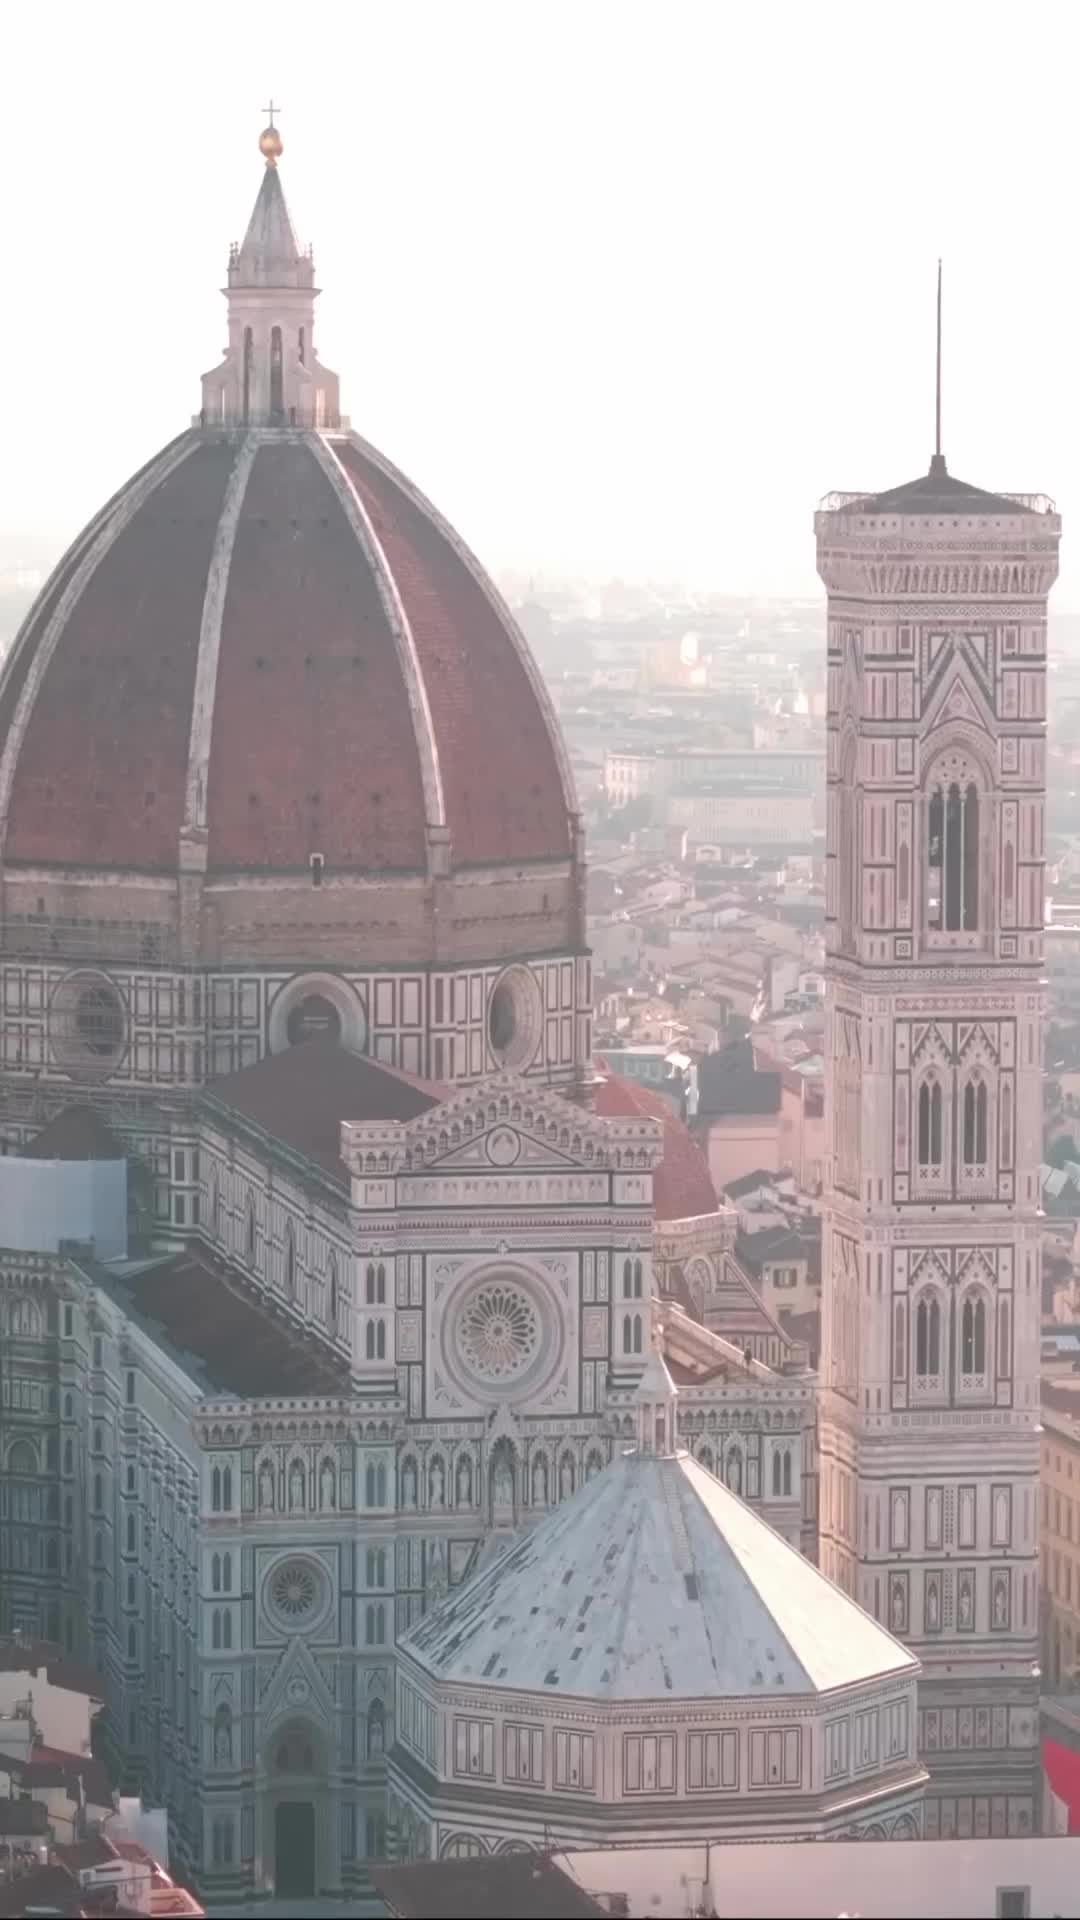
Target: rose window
{"x":295,"y":1590}
{"x":500,"y":1332}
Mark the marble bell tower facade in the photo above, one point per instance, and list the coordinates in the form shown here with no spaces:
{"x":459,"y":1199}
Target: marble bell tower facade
{"x":929,"y":1414}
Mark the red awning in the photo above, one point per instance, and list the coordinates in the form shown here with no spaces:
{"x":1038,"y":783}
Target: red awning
{"x":1062,"y":1769}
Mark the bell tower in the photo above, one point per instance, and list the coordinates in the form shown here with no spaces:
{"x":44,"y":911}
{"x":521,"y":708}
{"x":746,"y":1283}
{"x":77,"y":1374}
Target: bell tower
{"x":929,"y":1412}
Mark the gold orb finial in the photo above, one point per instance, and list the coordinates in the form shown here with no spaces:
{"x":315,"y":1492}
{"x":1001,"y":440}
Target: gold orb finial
{"x":270,"y":145}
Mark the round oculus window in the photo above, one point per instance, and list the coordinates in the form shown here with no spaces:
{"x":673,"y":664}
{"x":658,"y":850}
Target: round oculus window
{"x":501,"y":1341}
{"x":296,"y":1592}
{"x":515,"y":1013}
{"x":87,"y":1025}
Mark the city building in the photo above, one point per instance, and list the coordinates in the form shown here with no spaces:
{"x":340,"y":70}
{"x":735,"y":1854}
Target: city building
{"x":246,"y":793}
{"x":319,"y":1277}
{"x":728,"y":1691}
{"x":929,"y":1416}
{"x":1059,"y":1533}
{"x":1004,"y":1879}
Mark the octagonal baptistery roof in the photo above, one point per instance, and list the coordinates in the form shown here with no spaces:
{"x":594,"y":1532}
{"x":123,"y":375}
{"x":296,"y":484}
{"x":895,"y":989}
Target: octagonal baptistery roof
{"x":269,"y":647}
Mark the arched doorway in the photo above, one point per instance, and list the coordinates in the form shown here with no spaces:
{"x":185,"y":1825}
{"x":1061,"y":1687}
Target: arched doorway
{"x":297,"y":1767}
{"x":294,"y":1850}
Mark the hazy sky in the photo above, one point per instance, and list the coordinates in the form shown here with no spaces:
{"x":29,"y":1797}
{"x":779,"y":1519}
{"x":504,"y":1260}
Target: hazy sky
{"x":625,"y":287}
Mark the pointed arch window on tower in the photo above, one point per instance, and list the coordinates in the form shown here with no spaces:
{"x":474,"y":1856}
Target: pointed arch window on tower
{"x":847,"y":876}
{"x":952,"y":857}
{"x":930,"y":1123}
{"x":975,"y":1122}
{"x":928,"y":1340}
{"x":973,"y":1339}
{"x":249,"y":351}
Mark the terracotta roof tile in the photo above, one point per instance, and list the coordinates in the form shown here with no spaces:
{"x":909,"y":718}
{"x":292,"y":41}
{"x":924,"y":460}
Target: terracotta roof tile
{"x":101,"y":774}
{"x":313,"y":747}
{"x":682,"y":1188}
{"x":500,"y":771}
{"x":316,"y":738}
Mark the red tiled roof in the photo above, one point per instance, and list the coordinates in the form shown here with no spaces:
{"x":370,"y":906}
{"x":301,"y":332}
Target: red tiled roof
{"x":301,"y":1097}
{"x":313,"y":744}
{"x":497,"y":746}
{"x":682,"y":1188}
{"x":208,"y":1310}
{"x":317,"y":739}
{"x":101,"y":772}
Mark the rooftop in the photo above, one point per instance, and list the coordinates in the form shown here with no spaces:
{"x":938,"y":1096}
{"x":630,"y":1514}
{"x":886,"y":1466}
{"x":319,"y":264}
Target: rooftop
{"x":728,"y":1083}
{"x":528,"y":1885}
{"x":206,"y":1310}
{"x":682,"y":1186}
{"x":936,"y":491}
{"x":302,"y":1096}
{"x":78,"y":1133}
{"x":695,"y":1597}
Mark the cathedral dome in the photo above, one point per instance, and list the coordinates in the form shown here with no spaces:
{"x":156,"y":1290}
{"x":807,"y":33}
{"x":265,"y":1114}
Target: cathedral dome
{"x":268,"y":654}
{"x":271,"y":643}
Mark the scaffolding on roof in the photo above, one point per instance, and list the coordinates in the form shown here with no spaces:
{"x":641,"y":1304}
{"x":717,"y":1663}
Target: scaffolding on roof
{"x":63,"y":937}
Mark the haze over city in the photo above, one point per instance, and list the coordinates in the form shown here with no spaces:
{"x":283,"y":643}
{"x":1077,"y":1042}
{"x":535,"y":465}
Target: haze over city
{"x":627,"y":288}
{"x":539,"y":974}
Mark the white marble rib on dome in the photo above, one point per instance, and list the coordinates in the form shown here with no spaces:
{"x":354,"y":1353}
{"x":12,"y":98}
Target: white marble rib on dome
{"x":652,"y":1582}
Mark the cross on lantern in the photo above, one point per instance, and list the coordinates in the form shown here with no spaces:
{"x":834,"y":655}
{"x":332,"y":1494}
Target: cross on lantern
{"x":271,"y":110}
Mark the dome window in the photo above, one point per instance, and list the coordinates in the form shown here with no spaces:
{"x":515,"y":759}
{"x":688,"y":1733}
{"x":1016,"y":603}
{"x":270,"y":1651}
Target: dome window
{"x":87,"y":1025}
{"x":99,"y":1020}
{"x":514,"y":1018}
{"x":314,"y":1018}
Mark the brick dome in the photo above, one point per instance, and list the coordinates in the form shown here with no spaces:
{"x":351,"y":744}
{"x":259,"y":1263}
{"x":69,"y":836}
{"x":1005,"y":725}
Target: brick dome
{"x":270,"y":646}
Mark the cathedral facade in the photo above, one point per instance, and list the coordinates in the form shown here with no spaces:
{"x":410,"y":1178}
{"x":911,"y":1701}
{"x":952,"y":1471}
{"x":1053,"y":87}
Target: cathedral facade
{"x":237,"y":1472}
{"x":249,"y":786}
{"x":292,"y":933}
{"x":929,"y":1419}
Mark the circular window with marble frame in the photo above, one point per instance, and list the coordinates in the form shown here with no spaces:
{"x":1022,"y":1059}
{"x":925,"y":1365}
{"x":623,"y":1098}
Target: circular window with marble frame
{"x":515,"y":1018}
{"x":296,"y":1594}
{"x":88,"y":1024}
{"x":502,"y":1335}
{"x":325,"y":997}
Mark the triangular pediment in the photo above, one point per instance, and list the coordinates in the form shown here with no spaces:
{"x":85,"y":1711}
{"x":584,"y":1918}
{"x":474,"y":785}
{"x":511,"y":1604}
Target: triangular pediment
{"x":958,"y":701}
{"x":298,"y":1688}
{"x":502,"y":1147}
{"x":508,"y":1123}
